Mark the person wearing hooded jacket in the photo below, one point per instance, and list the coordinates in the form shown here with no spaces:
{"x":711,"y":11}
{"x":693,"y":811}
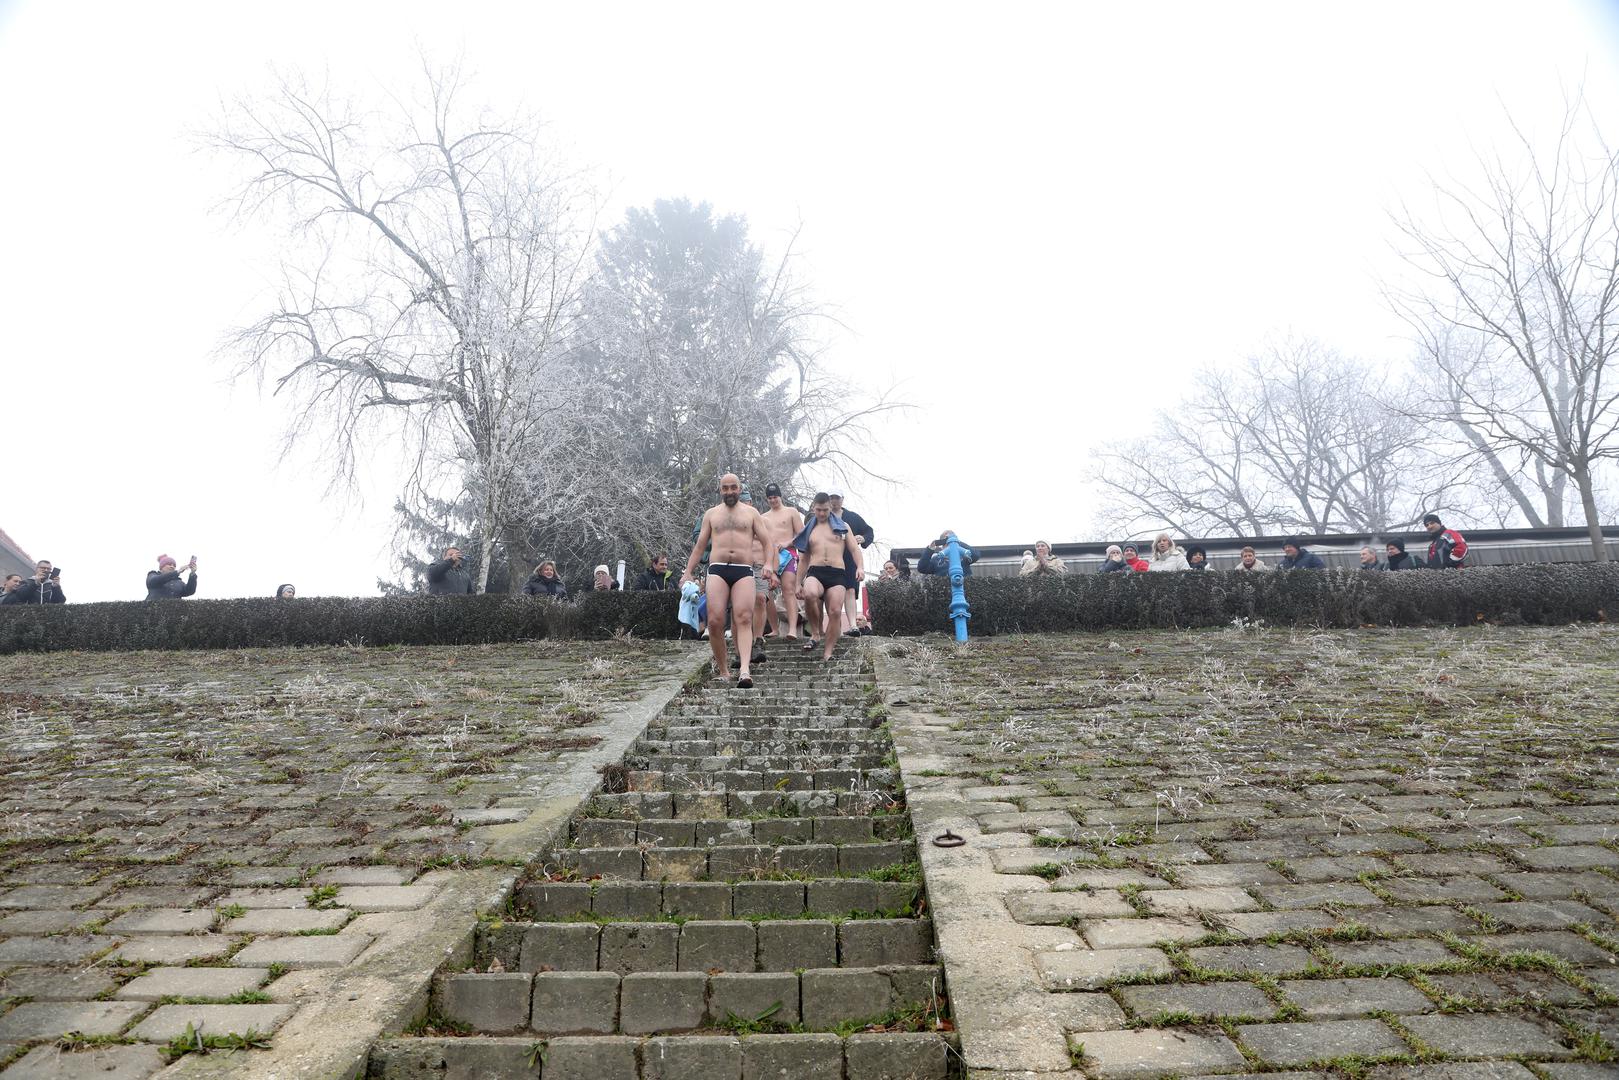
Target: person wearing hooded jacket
{"x":1295,"y":556}
{"x":1197,"y":557}
{"x":541,"y":583}
{"x":1167,"y":555}
{"x":1400,"y":559}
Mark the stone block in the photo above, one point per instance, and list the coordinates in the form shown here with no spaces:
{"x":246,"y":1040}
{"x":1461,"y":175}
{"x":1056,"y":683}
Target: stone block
{"x":556,"y":900}
{"x":1150,"y":1052}
{"x":489,"y":1059}
{"x":1135,"y":933}
{"x":842,"y":830}
{"x":1488,"y":1036}
{"x":739,"y":861}
{"x":768,"y":899}
{"x":622,"y":863}
{"x":880,"y":942}
{"x":584,"y":1002}
{"x":1385,"y":954}
{"x":1343,"y":999}
{"x":841,"y":896}
{"x":384,"y":897}
{"x":674,"y":864}
{"x":170,"y":1021}
{"x":628,"y":900}
{"x":1057,"y":908}
{"x":191,"y":982}
{"x":60,"y":949}
{"x":864,"y":858}
{"x":611,"y":1058}
{"x":287,"y":921}
{"x":697,"y":900}
{"x":51,"y":1019}
{"x":1187,"y":901}
{"x":694,"y":1057}
{"x":792,"y":1057}
{"x":1092,"y":969}
{"x":1244,"y":959}
{"x":51,"y":1062}
{"x":1300,"y":1044}
{"x":1229,"y":1000}
{"x":162,"y":921}
{"x":766,"y":996}
{"x":792,"y":944}
{"x":831,"y":996}
{"x":627,"y":947}
{"x":560,"y":947}
{"x":264,"y":898}
{"x":652,"y":1002}
{"x":325,"y":951}
{"x":495,"y":1003}
{"x":177,"y":949}
{"x":809,"y":860}
{"x":718,"y":946}
{"x":55,"y":984}
{"x":899,"y":1056}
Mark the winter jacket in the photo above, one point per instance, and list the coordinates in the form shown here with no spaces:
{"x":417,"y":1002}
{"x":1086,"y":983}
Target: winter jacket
{"x":1375,"y":564}
{"x":1114,"y":566}
{"x":1195,"y":564}
{"x":652,"y":581}
{"x":1031,"y":565}
{"x":160,"y":586}
{"x":1305,"y":560}
{"x":544,"y":586}
{"x":1447,"y":551}
{"x":1173,"y":559}
{"x":25,"y":593}
{"x":1259,"y":564}
{"x":1405,"y":561}
{"x":1138,"y":564}
{"x":444,"y":578}
{"x":938,"y":562}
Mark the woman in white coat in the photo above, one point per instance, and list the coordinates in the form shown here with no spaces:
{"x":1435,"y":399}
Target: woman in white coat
{"x":1167,"y":555}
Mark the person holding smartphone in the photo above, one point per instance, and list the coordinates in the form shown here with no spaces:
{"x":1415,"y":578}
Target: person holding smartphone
{"x":164,"y":583}
{"x":48,"y":580}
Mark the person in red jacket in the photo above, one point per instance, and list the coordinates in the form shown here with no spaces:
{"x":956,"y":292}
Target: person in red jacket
{"x":1448,"y":549}
{"x":1133,"y":560}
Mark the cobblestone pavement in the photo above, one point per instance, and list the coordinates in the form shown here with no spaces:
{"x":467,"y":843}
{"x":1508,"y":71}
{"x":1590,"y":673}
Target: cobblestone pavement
{"x":192,"y":843}
{"x":1373,"y":853}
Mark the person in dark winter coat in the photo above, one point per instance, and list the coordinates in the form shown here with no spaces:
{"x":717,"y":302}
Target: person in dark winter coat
{"x":447,"y":577}
{"x":164,"y":583}
{"x":658,"y":577}
{"x":20,"y":590}
{"x":1368,"y":560}
{"x":1297,"y":557}
{"x":544,"y":582}
{"x":1399,"y":558}
{"x":1197,"y":558}
{"x":1114,"y":563}
{"x":1448,"y":550}
{"x":286,"y":592}
{"x":937,"y":559}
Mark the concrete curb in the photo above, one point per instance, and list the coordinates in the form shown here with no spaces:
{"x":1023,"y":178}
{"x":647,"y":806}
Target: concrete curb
{"x":388,"y":987}
{"x":1004,"y":1016}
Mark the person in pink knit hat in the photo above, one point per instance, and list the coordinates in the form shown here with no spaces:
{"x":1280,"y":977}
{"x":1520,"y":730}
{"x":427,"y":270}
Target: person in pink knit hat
{"x":164,"y":583}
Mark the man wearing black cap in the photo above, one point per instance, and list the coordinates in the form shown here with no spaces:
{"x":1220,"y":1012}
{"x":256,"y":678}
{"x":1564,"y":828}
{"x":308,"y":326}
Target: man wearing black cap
{"x":851,"y":576}
{"x":784,"y":523}
{"x":1448,"y":549}
{"x":1295,"y":556}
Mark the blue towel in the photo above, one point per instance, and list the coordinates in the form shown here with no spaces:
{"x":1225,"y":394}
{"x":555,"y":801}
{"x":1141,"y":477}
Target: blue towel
{"x":689,"y":613}
{"x":801,"y":542}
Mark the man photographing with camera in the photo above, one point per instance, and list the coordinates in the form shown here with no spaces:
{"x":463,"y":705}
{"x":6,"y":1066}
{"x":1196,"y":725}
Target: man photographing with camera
{"x":447,"y":577}
{"x":45,"y":587}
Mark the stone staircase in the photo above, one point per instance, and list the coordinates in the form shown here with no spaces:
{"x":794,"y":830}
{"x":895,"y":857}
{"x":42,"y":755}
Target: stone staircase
{"x":743,"y":900}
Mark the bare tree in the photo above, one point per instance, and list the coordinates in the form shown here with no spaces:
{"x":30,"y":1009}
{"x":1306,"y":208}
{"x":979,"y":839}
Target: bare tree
{"x":432,"y":283}
{"x":1299,"y":439}
{"x":1524,"y":269}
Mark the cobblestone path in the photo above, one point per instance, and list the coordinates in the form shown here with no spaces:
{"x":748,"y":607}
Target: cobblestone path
{"x":743,"y":902}
{"x":194,"y":847}
{"x":1375,"y":853}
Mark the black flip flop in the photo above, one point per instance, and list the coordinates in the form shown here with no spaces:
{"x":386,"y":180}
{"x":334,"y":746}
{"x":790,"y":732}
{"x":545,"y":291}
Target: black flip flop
{"x":745,"y":682}
{"x":809,"y":645}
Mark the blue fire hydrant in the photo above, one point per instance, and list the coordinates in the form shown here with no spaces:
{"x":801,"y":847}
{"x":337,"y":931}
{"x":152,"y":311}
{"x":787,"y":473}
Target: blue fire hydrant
{"x":959,"y":611}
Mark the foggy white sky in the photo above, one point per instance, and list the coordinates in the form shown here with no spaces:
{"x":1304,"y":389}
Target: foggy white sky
{"x":1042,"y":219}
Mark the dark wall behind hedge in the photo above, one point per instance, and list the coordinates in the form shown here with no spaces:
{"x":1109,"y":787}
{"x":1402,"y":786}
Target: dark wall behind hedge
{"x":1541,"y":594}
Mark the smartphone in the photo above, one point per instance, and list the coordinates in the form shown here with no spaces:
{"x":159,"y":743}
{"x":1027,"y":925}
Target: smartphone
{"x":56,"y":571}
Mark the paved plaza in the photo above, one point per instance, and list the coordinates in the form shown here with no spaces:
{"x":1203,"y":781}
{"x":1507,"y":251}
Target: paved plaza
{"x":1366,"y":853}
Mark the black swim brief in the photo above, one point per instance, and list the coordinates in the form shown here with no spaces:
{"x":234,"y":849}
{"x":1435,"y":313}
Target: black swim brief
{"x":830,"y":577}
{"x":730,"y":572}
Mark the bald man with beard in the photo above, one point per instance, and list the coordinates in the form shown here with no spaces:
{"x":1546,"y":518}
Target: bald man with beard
{"x":733,"y":528}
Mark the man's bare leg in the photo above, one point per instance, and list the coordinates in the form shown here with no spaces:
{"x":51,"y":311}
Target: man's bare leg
{"x":763,"y":611}
{"x":719,"y":598}
{"x":789,"y":597}
{"x":834,"y":625}
{"x":742,"y":627}
{"x":812,"y":609}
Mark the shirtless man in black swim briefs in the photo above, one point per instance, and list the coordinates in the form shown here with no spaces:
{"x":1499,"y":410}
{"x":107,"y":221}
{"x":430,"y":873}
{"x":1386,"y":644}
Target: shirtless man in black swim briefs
{"x":732,"y":528}
{"x":823,"y":585}
{"x":785,"y":523}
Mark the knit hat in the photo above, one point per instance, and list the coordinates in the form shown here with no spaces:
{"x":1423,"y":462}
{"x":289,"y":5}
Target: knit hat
{"x":1397,"y":545}
{"x":1292,"y":541}
{"x":772,"y":489}
{"x":161,"y":559}
{"x":602,"y":569}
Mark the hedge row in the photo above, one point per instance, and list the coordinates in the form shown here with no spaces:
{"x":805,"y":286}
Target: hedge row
{"x":410,"y":620}
{"x":1544,"y":594}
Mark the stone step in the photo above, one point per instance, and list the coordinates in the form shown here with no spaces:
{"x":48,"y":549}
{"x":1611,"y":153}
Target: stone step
{"x":914,"y":1055}
{"x":762,"y":780}
{"x":862,"y":762}
{"x":779,"y":944}
{"x":667,"y":1002}
{"x":734,"y":862}
{"x":696,"y":805}
{"x":710,"y":832}
{"x":701,"y":742}
{"x":645,"y":901}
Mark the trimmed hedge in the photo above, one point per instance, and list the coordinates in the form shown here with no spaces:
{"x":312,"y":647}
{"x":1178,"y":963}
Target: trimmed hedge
{"x":1544,"y":594}
{"x":409,"y":620}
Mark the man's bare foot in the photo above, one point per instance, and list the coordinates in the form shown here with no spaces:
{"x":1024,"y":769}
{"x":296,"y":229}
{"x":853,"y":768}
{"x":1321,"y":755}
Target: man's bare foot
{"x":744,"y":681}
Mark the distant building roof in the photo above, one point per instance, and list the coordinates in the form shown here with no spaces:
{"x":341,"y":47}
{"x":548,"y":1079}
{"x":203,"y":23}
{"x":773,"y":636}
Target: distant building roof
{"x":13,"y":559}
